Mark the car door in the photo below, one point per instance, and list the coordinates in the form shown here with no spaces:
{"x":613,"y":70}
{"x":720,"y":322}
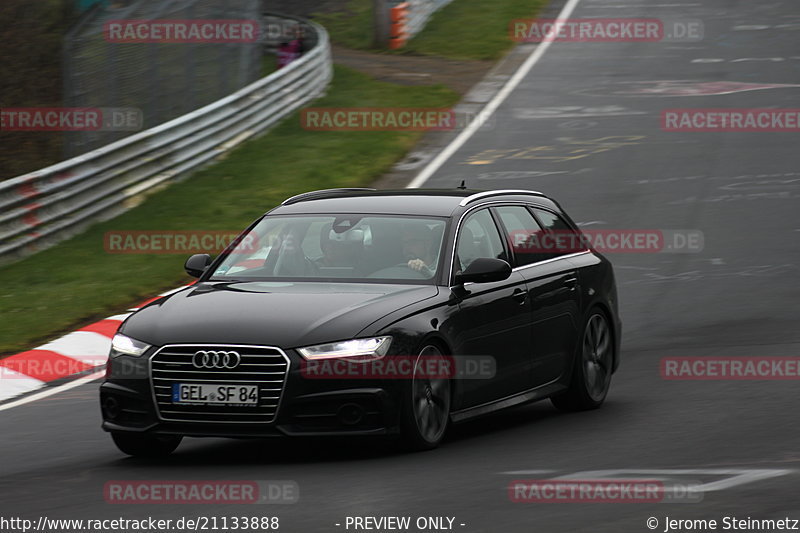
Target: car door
{"x":493,"y":317}
{"x":552,"y":287}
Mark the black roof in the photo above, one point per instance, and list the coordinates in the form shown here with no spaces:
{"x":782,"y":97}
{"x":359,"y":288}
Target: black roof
{"x":433,"y":202}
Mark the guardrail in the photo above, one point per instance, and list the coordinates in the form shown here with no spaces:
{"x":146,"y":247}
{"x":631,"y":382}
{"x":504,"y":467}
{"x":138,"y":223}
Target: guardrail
{"x":44,"y":207}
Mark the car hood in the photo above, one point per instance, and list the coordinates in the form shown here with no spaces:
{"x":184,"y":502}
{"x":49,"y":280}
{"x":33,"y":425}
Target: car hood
{"x":286,"y":315}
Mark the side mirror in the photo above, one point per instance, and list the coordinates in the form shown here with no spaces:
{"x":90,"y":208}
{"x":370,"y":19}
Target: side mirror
{"x":484,"y":270}
{"x":197,"y":264}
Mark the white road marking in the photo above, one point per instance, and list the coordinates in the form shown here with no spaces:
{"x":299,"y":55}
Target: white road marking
{"x":740,"y":177}
{"x":772,"y":59}
{"x":53,"y":390}
{"x":526,"y":472}
{"x":735,"y":476}
{"x":492,"y":106}
{"x":514,"y":174}
{"x":574,"y":112}
{"x":626,"y":6}
{"x":15,"y":383}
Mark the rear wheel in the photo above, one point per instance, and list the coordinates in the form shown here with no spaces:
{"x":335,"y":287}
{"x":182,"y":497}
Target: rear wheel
{"x":591,"y":375}
{"x":151,"y":446}
{"x":426,"y":410}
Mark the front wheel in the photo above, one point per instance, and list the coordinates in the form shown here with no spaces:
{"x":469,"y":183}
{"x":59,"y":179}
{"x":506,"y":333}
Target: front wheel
{"x":591,"y":375}
{"x":150,"y":446}
{"x":426,"y":409}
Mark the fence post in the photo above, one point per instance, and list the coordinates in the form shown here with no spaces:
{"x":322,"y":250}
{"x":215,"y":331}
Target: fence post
{"x":381,"y":23}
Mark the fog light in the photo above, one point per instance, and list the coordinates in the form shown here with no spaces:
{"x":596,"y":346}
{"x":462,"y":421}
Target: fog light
{"x":111,"y":408}
{"x":350,"y":414}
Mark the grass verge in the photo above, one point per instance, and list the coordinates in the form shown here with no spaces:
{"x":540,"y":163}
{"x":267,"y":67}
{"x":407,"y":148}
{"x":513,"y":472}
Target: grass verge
{"x":472,"y":29}
{"x":352,"y":27}
{"x":463,"y":29}
{"x":77,"y":281}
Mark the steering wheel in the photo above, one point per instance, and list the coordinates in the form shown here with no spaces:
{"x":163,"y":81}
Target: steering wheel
{"x":398,"y":271}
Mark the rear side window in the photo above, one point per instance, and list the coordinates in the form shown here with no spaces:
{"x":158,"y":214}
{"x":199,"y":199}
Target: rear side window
{"x":551,"y":221}
{"x":561,"y":239}
{"x":522,"y":233}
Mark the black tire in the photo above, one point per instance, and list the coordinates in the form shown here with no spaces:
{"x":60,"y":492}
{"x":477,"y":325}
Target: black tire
{"x":426,"y":407}
{"x":150,"y":446}
{"x":591,"y":373}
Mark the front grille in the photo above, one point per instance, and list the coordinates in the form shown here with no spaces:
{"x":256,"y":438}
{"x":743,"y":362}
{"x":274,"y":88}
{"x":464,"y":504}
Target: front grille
{"x":262,"y":366}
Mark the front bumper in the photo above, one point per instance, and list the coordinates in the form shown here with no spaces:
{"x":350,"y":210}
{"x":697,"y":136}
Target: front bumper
{"x":308,"y":407}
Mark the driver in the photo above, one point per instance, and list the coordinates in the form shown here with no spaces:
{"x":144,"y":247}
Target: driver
{"x":418,"y":248}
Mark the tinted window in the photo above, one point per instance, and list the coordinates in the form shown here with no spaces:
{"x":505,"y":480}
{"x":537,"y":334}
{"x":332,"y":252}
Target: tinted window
{"x":551,"y":221}
{"x":522,"y":234}
{"x":561,"y":239}
{"x":478,"y":238}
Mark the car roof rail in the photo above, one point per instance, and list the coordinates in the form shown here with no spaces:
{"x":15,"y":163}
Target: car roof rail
{"x":477,"y":196}
{"x":324,"y":193}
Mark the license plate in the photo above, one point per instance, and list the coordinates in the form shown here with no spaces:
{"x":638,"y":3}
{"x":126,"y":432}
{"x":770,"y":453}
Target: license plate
{"x":214,"y":394}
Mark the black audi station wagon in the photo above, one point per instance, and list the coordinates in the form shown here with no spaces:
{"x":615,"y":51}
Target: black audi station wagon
{"x":369,"y":312}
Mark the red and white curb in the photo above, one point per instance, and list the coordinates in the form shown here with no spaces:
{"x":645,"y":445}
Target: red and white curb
{"x":75,"y":353}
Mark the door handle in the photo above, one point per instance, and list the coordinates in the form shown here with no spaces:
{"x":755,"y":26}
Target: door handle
{"x":519,"y":295}
{"x":571,"y":283}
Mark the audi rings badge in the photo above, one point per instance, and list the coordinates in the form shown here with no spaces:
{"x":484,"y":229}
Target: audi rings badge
{"x":216,"y":359}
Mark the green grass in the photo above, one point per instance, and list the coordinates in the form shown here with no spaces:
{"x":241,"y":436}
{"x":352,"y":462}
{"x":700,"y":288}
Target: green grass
{"x":77,"y":282}
{"x":269,"y":64}
{"x":351,"y":28}
{"x":464,"y":29}
{"x":472,"y":29}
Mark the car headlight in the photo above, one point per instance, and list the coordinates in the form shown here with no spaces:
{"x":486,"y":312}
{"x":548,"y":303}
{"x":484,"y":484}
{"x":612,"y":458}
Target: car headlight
{"x":122,"y":345}
{"x":365,"y":349}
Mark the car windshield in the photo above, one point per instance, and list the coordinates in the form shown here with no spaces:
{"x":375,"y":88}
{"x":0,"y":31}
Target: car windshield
{"x":354,"y":248}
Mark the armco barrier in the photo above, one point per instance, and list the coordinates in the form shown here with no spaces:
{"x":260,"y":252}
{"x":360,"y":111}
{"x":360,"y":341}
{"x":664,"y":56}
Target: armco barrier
{"x":49,"y":205}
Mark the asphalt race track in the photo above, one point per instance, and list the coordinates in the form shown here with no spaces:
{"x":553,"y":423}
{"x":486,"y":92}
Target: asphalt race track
{"x":584,"y":126}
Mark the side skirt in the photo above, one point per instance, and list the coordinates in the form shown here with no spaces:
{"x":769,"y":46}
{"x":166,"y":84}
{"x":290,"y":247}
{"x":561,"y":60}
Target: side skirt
{"x":531,"y":395}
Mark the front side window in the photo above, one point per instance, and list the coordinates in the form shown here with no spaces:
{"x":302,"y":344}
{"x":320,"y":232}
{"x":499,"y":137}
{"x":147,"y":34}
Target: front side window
{"x":478,"y":237}
{"x":337,"y":248}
